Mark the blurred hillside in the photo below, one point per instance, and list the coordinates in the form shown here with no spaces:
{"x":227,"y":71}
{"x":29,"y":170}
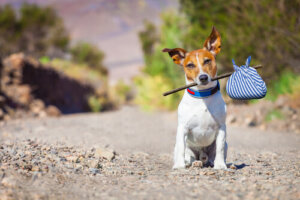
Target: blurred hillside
{"x":110,"y":25}
{"x":29,"y":88}
{"x":42,"y":72}
{"x":33,"y":30}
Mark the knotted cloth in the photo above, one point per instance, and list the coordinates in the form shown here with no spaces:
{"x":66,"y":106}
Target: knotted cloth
{"x":245,"y":83}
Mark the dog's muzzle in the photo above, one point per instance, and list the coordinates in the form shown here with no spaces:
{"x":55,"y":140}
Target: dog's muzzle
{"x":203,"y":78}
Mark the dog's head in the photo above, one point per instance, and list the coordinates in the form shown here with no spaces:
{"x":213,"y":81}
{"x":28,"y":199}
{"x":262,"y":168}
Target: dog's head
{"x":199,"y":65}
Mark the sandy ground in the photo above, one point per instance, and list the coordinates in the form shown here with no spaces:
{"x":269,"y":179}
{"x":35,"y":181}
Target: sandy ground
{"x":55,"y":158}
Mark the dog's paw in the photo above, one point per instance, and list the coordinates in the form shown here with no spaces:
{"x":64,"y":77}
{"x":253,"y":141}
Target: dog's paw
{"x":220,"y":165}
{"x":197,"y":164}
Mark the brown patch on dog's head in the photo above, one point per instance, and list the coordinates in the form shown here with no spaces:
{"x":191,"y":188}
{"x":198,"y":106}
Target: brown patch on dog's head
{"x":190,"y":67}
{"x":213,"y":42}
{"x":206,"y":64}
{"x":177,"y":54}
{"x":201,"y":60}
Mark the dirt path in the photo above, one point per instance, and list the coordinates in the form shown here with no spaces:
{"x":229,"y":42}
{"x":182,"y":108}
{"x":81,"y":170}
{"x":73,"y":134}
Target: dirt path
{"x":60,"y":159}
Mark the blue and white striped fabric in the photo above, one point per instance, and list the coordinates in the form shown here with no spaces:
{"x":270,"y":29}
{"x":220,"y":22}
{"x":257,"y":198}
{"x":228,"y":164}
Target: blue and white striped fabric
{"x":245,"y":83}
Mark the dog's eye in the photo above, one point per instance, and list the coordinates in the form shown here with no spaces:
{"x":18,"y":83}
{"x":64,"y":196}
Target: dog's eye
{"x":190,"y":65}
{"x":207,"y":61}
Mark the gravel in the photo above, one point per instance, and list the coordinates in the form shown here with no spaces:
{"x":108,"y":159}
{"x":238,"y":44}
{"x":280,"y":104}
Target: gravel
{"x":261,"y":165}
{"x":33,"y":170}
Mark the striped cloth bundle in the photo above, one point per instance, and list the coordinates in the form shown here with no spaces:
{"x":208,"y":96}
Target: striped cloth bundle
{"x":245,"y":83}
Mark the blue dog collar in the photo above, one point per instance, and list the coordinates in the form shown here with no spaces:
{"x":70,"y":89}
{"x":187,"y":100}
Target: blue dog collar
{"x":204,"y":93}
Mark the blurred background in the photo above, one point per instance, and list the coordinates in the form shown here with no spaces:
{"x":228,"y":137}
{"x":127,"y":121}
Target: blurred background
{"x":71,"y":56}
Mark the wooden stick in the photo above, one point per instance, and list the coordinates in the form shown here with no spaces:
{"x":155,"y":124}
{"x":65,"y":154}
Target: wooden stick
{"x":213,"y":79}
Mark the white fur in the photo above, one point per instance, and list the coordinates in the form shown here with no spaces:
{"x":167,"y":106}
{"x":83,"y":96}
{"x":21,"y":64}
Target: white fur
{"x":198,"y":62}
{"x":201,"y":124}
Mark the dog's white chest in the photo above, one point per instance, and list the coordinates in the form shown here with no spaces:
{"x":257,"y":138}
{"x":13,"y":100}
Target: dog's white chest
{"x":202,"y":128}
{"x":202,"y":120}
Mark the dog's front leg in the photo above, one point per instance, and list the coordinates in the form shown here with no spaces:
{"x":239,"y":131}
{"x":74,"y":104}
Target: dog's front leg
{"x":221,"y":150}
{"x":179,"y":151}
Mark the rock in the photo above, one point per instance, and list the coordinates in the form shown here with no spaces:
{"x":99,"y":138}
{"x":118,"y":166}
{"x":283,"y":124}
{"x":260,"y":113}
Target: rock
{"x":140,"y":173}
{"x":263,"y":127}
{"x":23,"y":78}
{"x":73,"y":159}
{"x":231,"y":119}
{"x":37,"y":106}
{"x":232,"y":166}
{"x":1,"y":114}
{"x":8,"y":195}
{"x":293,"y":127}
{"x":268,"y":173}
{"x":94,"y":164}
{"x":28,"y":167}
{"x":9,"y":182}
{"x":250,"y":121}
{"x":38,"y":196}
{"x":14,"y":61}
{"x":80,"y":159}
{"x":42,"y":114}
{"x":2,"y":100}
{"x":78,"y":168}
{"x":209,"y":173}
{"x":23,"y":94}
{"x":104,"y":153}
{"x":142,"y":154}
{"x":45,"y":168}
{"x":35,"y":169}
{"x":281,"y":101}
{"x":197,"y":164}
{"x":53,"y":111}
{"x":288,"y":111}
{"x":94,"y":171}
{"x":294,"y":117}
{"x":6,"y":117}
{"x":69,"y":166}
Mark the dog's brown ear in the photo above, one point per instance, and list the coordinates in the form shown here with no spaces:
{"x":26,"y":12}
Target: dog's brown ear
{"x":213,"y":42}
{"x":176,"y":54}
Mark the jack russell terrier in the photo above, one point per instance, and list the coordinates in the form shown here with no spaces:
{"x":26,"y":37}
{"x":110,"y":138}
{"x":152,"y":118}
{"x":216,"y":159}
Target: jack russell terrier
{"x":201,"y":131}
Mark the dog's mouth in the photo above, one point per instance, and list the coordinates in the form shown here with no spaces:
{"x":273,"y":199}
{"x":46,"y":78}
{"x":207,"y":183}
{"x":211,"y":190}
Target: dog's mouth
{"x":203,"y":83}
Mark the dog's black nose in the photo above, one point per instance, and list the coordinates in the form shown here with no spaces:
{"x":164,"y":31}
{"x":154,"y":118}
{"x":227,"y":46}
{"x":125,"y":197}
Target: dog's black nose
{"x":203,"y":78}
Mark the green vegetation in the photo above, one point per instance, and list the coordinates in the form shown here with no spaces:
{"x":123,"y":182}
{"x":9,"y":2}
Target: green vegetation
{"x":45,"y":60}
{"x":287,"y":84}
{"x":150,"y":89}
{"x":89,"y":54}
{"x":149,"y":38}
{"x":75,"y":70}
{"x":94,"y":104}
{"x":121,"y":93}
{"x":37,"y":31}
{"x":40,"y":32}
{"x":157,"y":63}
{"x":161,"y":73}
{"x":265,"y":29}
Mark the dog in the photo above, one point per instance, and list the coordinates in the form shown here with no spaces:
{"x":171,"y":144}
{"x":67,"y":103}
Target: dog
{"x":201,"y":131}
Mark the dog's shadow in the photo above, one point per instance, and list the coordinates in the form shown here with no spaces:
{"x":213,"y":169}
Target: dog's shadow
{"x":229,"y":165}
{"x":240,"y":166}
